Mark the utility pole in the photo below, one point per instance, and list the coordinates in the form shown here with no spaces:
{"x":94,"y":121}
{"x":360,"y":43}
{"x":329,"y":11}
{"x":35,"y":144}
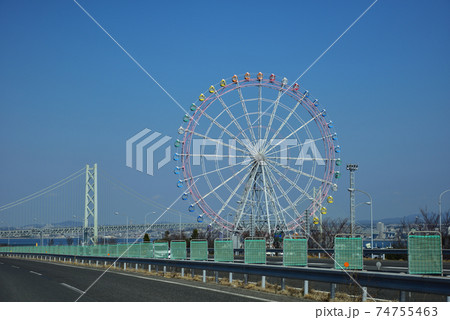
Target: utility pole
{"x":352,"y":168}
{"x":320,"y":215}
{"x":307,"y":224}
{"x":440,"y":209}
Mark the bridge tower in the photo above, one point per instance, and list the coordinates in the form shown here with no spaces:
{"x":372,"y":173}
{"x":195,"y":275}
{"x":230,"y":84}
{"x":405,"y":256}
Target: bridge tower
{"x":90,"y":234}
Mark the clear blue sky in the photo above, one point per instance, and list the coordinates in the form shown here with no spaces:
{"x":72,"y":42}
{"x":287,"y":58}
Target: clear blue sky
{"x":69,"y":96}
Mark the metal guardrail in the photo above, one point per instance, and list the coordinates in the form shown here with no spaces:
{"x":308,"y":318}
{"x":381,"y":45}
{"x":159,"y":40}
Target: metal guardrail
{"x":402,"y":282}
{"x":445,"y":252}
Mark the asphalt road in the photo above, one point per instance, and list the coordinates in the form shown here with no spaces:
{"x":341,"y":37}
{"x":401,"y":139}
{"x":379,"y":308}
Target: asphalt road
{"x":33,"y":281}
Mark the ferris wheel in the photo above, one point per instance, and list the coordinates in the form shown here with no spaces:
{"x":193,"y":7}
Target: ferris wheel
{"x":257,"y":155}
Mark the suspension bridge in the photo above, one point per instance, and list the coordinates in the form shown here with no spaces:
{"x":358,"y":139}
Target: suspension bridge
{"x":87,"y":205}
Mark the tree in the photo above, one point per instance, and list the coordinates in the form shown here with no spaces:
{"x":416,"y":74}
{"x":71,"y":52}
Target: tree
{"x":426,"y":221}
{"x":194,"y":234}
{"x":166,"y":235}
{"x":146,"y":238}
{"x":330,"y":228}
{"x":69,"y":241}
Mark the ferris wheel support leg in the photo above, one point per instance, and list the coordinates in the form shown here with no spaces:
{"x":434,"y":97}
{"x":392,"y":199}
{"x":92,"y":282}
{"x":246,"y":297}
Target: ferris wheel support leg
{"x":278,"y":214}
{"x":247,"y":190}
{"x":292,"y":205}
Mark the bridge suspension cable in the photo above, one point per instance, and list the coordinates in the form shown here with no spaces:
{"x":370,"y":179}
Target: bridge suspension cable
{"x":134,"y":193}
{"x":44,"y":191}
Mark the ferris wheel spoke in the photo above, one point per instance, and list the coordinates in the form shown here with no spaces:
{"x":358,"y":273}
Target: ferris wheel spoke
{"x":222,"y":184}
{"x":219,"y":141}
{"x":290,"y":181}
{"x":247,"y":118}
{"x":223,"y":156}
{"x":299,"y":171}
{"x":300,"y":145}
{"x":215,"y":170}
{"x":280,"y":214}
{"x":259,"y":112}
{"x":233,"y":194}
{"x":224,"y":129}
{"x":244,"y":199}
{"x":285,"y":196}
{"x":230,"y":114}
{"x":298,"y":158}
{"x":272,"y":115}
{"x":265,"y":188}
{"x":310,"y":176}
{"x":293,"y":205}
{"x":293,"y":132}
{"x":287,"y":119}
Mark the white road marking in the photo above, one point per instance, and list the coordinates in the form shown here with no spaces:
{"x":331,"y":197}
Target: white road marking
{"x":181,"y":284}
{"x":72,"y":288}
{"x":16,"y":267}
{"x":39,"y":274}
{"x":196,"y":287}
{"x":166,"y":281}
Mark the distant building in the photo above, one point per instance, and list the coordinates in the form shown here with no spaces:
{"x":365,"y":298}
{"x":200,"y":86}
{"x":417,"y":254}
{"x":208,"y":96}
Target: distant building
{"x":381,"y":230}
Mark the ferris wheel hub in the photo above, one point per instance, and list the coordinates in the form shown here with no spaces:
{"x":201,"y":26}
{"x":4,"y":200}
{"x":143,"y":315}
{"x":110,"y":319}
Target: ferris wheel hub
{"x":260,"y":157}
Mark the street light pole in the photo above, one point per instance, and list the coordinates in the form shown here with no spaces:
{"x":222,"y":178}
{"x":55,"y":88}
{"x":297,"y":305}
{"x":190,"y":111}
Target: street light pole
{"x":440,"y":209}
{"x":371,"y":216}
{"x":80,"y":233}
{"x":117,"y":213}
{"x":40,"y":230}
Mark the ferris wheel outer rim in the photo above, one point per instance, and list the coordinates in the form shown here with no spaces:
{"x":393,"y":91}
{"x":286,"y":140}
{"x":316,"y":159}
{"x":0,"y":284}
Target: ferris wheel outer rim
{"x":208,"y":100}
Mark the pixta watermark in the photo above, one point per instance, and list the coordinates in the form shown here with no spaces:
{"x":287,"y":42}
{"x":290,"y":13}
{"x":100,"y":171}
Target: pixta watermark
{"x":143,"y":151}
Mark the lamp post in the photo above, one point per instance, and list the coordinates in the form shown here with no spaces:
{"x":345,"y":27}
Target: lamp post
{"x":440,"y":209}
{"x":228,"y":231}
{"x":371,"y":215}
{"x":180,"y":227}
{"x":35,"y":219}
{"x":79,"y":234}
{"x":117,"y":213}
